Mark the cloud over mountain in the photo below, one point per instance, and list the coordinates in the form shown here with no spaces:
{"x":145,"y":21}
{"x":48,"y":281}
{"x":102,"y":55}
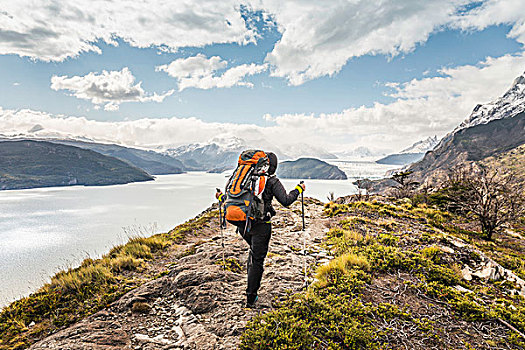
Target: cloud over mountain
{"x":109,"y":88}
{"x":433,"y":105}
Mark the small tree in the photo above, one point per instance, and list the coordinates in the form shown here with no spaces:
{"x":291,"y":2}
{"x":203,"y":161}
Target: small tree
{"x":363,"y":186}
{"x":492,"y":199}
{"x":405,"y":186}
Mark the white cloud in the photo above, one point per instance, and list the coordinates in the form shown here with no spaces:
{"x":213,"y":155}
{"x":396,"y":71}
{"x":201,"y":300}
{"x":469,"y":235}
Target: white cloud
{"x":53,"y":30}
{"x":318,"y":37}
{"x":429,"y":106}
{"x":496,"y":12}
{"x":202,"y":72}
{"x":424,"y":107}
{"x":111,"y":107}
{"x":193,"y":67}
{"x":142,"y":132}
{"x":111,"y":88}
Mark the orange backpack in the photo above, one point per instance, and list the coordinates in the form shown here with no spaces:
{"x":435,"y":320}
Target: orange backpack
{"x":245,"y":187}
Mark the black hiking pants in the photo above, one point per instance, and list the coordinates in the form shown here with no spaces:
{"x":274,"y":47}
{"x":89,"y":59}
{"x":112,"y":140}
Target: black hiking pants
{"x":258,"y":238}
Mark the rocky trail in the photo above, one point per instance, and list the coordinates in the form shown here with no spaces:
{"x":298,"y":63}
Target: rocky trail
{"x":198,"y":304}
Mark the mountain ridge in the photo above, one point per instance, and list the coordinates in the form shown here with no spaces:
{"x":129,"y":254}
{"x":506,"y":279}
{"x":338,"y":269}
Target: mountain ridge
{"x":29,"y":164}
{"x":507,"y":106}
{"x":491,"y":129}
{"x":410,"y":154}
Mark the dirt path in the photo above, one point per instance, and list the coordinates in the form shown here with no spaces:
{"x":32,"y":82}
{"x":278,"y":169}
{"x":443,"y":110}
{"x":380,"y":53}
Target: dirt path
{"x":198,"y":305}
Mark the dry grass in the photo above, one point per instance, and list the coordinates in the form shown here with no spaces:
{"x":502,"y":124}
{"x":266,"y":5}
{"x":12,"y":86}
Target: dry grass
{"x":125,"y":263}
{"x":140,"y":308}
{"x":341,"y":265}
{"x":137,"y":250}
{"x":75,"y":280}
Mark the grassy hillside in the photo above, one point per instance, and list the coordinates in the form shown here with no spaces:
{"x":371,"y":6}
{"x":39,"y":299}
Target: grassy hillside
{"x":28,"y":164}
{"x":387,"y":274}
{"x":513,"y":161}
{"x":398,"y":281}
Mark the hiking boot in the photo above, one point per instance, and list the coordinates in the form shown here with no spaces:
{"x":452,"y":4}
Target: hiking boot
{"x":250,"y":301}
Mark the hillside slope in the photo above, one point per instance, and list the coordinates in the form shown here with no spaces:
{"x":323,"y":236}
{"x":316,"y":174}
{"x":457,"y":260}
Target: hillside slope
{"x":513,"y":160}
{"x":472,"y":144}
{"x":29,"y":164}
{"x":382,"y":275}
{"x":401,"y":158}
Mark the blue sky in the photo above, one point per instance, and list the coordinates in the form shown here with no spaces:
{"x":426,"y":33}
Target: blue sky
{"x":322,"y":89}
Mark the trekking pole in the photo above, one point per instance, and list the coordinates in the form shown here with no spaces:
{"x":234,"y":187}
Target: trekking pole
{"x":222,"y":233}
{"x":302,"y":203}
{"x":304,"y":238}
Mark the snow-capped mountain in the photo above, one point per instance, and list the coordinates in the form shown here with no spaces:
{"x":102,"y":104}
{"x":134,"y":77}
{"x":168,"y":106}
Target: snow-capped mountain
{"x":491,"y":129}
{"x":411,"y":154}
{"x":360,"y":153}
{"x":506,"y":106}
{"x":221,"y":153}
{"x":422,"y":146}
{"x":38,"y":132}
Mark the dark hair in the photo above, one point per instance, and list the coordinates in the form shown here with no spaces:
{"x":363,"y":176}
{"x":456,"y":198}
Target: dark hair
{"x":273,"y":162}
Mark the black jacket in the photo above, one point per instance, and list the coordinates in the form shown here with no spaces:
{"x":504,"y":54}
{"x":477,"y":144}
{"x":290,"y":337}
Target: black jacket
{"x":274,"y":188}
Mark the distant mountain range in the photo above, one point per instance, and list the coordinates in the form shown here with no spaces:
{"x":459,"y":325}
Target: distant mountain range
{"x":152,"y":162}
{"x":309,"y":168}
{"x":411,"y":154}
{"x":359,"y":153}
{"x":221,"y":153}
{"x":218,"y":155}
{"x":29,"y":164}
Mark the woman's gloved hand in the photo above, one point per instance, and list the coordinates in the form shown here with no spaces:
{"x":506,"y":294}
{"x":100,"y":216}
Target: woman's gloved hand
{"x":301,"y":187}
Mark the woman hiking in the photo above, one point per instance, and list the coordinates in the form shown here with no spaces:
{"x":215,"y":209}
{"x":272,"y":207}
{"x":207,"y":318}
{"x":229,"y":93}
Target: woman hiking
{"x":257,"y":231}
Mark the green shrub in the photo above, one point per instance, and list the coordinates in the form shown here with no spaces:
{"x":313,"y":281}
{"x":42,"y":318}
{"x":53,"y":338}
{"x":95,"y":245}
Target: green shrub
{"x":230,"y":264}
